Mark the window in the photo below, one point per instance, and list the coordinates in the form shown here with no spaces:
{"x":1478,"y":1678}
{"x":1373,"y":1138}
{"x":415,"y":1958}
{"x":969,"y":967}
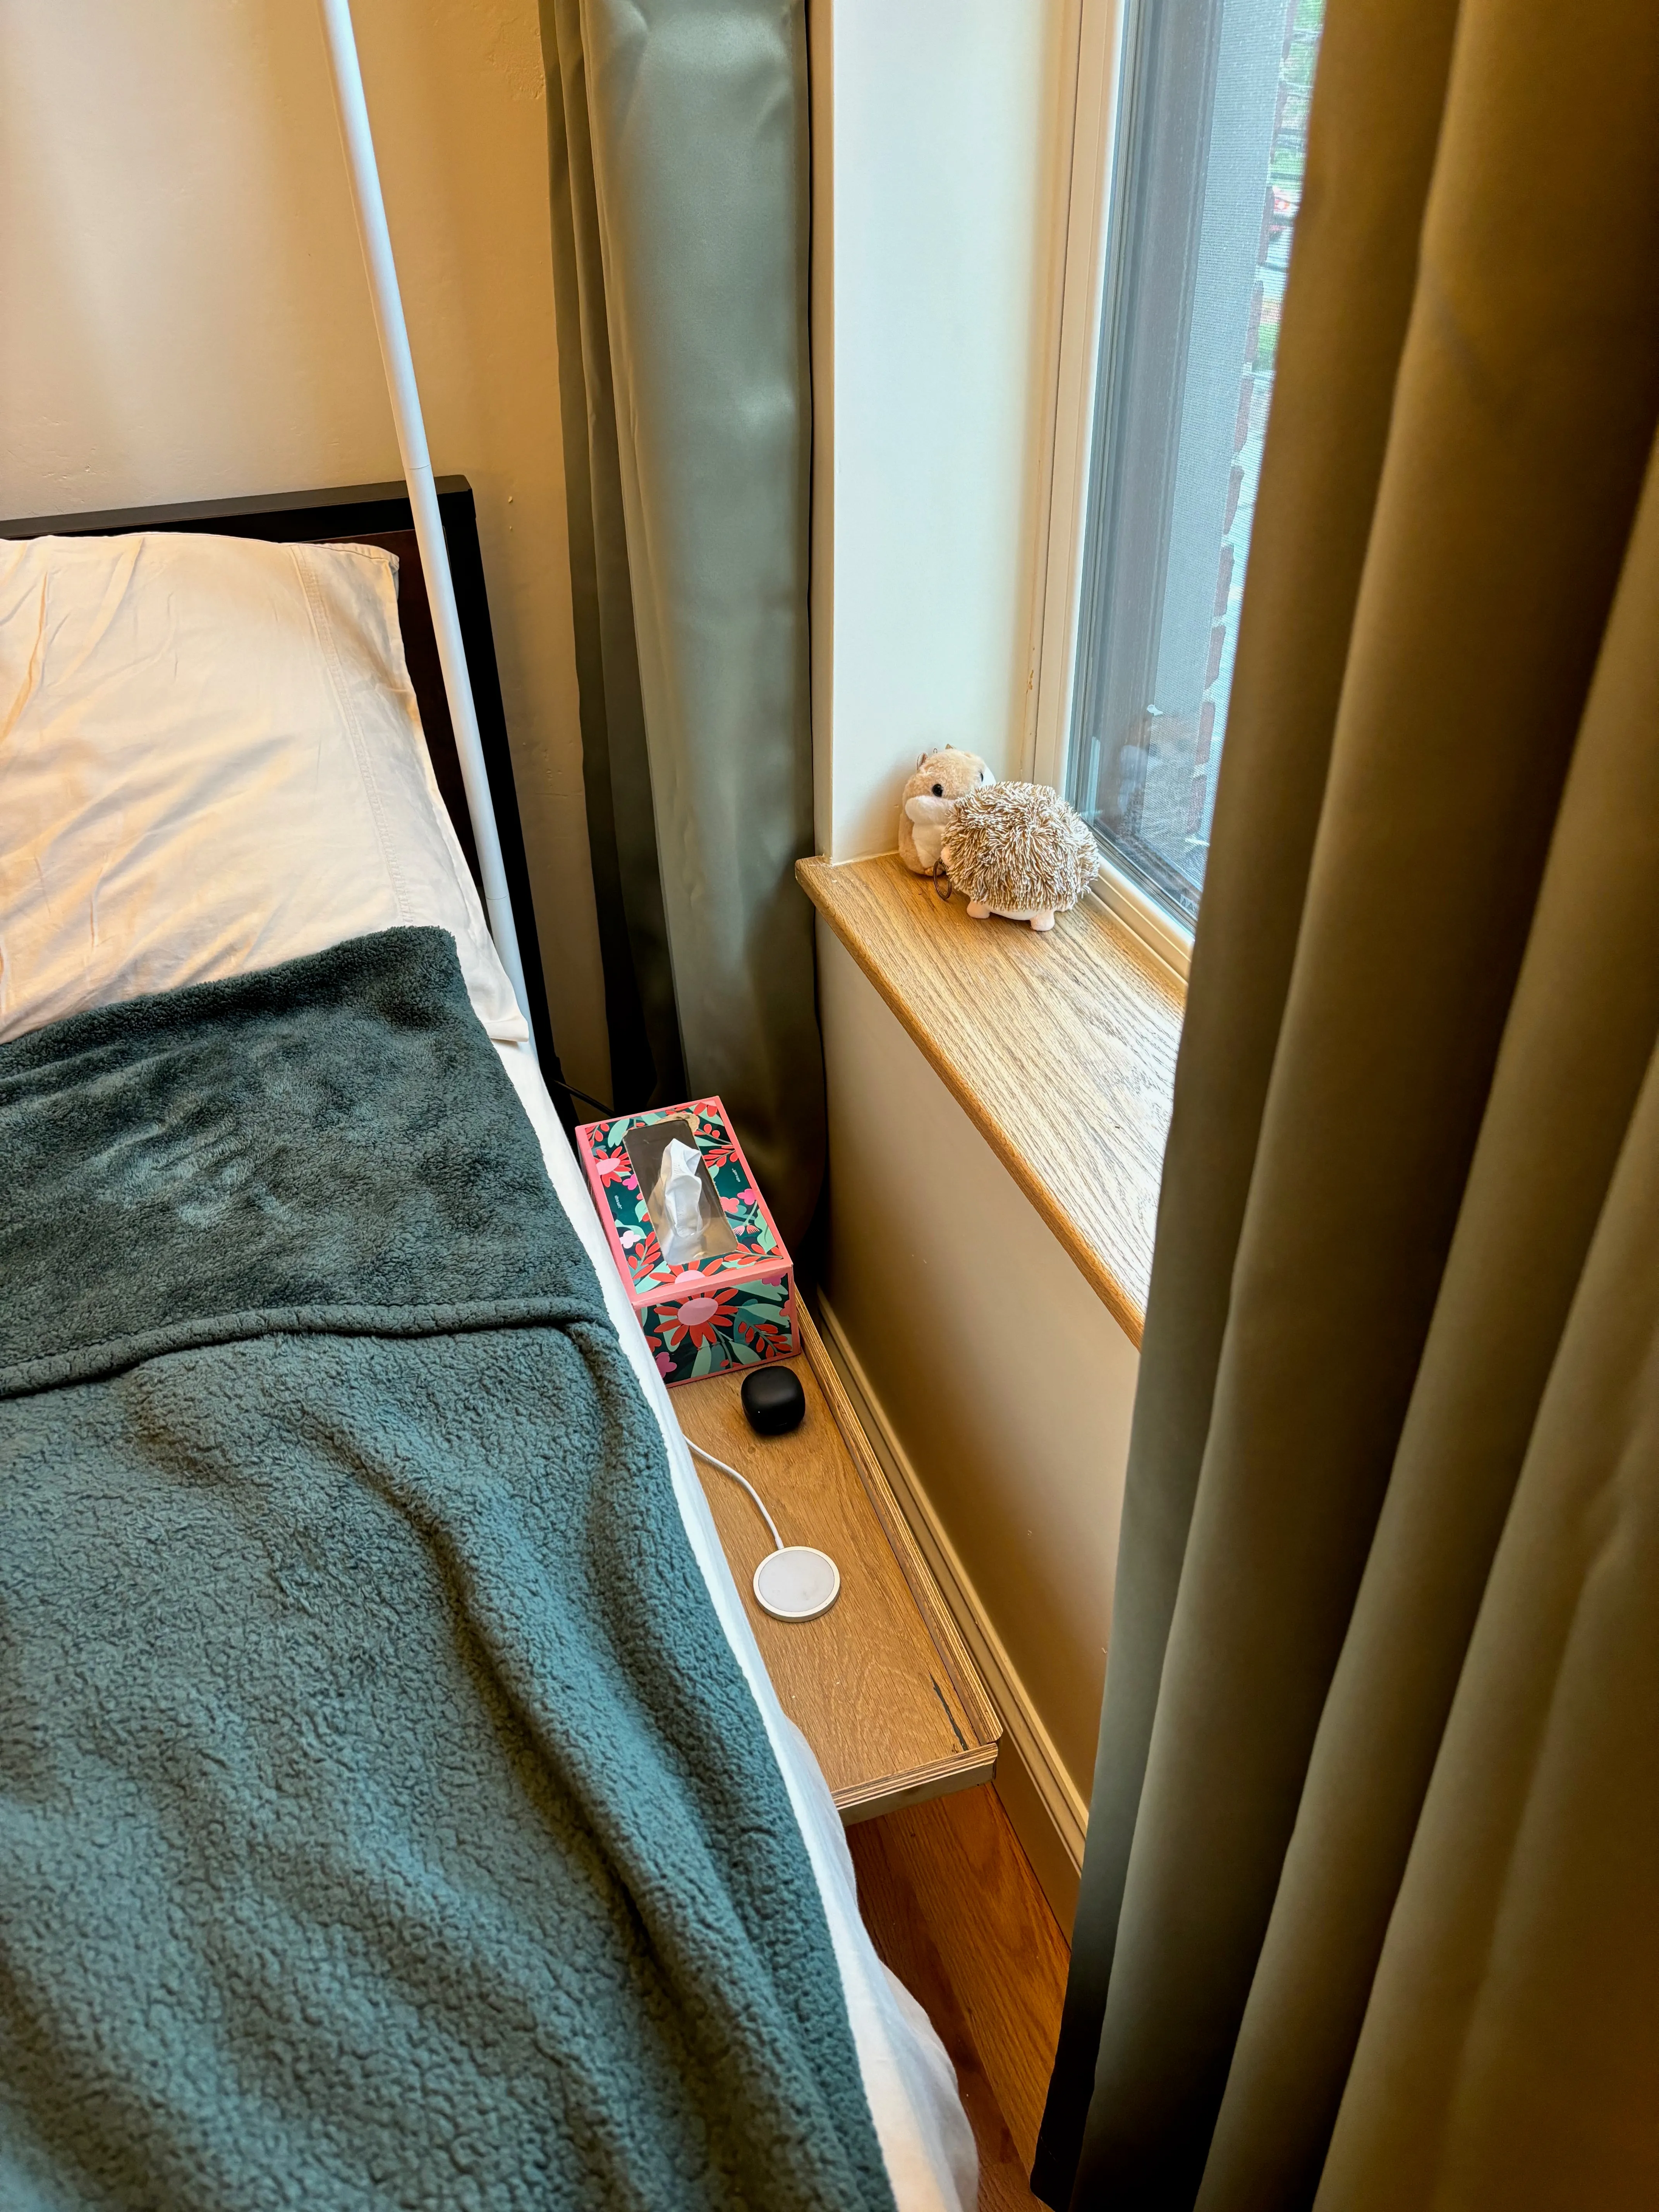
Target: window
{"x":1211,"y":137}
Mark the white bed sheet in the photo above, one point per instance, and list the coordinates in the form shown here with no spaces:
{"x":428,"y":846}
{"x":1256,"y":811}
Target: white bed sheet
{"x":909,"y":2079}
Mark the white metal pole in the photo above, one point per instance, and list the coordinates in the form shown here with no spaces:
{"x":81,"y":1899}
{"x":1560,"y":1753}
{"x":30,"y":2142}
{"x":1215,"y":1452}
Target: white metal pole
{"x":352,"y":109}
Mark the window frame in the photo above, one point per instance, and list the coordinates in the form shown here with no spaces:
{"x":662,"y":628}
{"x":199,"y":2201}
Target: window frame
{"x":1095,"y":44}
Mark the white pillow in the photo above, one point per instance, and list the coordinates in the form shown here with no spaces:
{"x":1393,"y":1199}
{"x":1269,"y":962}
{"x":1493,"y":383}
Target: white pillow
{"x":211,"y":760}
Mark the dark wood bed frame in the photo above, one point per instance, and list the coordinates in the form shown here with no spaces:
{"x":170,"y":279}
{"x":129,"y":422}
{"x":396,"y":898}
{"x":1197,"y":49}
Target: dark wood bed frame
{"x":378,"y":515}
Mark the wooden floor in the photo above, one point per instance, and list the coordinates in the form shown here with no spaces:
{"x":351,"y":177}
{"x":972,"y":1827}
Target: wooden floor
{"x":956,"y":1911}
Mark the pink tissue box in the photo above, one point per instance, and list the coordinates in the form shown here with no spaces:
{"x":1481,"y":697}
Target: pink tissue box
{"x":726,"y":1298}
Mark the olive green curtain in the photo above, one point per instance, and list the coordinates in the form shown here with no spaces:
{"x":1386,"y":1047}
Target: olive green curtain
{"x":680,"y":168}
{"x":1370,"y":1905}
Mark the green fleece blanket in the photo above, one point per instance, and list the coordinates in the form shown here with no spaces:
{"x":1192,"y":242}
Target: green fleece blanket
{"x":384,"y":1819}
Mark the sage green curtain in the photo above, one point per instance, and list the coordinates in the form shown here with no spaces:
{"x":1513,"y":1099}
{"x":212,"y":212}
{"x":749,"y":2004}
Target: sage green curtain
{"x":680,"y":167}
{"x":1370,"y":1904}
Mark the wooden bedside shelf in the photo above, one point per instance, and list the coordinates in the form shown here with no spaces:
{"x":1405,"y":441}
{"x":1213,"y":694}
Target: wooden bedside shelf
{"x":881,"y":1685}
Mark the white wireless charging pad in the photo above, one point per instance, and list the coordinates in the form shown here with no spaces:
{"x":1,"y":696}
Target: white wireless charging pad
{"x":797,"y":1583}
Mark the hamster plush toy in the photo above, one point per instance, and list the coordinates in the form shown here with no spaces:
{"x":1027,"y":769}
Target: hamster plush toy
{"x":930,"y":800}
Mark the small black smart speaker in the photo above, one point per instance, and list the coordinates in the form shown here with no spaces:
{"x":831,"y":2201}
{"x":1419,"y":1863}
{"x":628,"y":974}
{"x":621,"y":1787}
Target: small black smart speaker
{"x":773,"y":1401}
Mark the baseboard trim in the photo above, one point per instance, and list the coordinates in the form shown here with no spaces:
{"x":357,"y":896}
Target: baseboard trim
{"x":1048,"y":1810}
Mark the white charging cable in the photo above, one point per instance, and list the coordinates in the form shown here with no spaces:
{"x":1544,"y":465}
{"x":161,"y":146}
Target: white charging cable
{"x":793,"y":1582}
{"x":759,"y":1503}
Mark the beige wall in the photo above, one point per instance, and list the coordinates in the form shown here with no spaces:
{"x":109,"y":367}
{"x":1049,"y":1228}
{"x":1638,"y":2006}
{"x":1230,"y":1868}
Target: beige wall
{"x":183,"y":314}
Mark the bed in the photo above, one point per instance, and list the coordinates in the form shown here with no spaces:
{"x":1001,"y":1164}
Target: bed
{"x":345,"y":1528}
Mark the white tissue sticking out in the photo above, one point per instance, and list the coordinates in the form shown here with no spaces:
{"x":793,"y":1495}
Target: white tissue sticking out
{"x":676,"y":1204}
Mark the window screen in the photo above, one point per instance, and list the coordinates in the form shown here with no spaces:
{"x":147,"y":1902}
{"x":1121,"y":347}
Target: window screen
{"x":1212,"y":142}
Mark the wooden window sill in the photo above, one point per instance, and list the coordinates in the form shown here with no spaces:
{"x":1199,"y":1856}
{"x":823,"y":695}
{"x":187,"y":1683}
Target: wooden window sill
{"x":1060,"y":1048}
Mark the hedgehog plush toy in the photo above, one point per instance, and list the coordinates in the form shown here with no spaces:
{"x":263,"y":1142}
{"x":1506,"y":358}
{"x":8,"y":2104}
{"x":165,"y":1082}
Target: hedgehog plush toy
{"x":1019,"y":850}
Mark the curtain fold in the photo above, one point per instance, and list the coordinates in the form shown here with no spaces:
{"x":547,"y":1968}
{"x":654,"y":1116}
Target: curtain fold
{"x":679,"y":158}
{"x":1422,"y":1006}
{"x":1575,"y":1052}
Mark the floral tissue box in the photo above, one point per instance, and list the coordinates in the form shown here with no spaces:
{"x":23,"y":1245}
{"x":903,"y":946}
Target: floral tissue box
{"x":706,"y":1270}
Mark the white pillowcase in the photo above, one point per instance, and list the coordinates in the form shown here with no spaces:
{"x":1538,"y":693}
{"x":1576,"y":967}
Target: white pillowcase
{"x":211,"y":760}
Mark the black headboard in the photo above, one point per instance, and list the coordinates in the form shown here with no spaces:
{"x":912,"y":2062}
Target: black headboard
{"x":380,"y":515}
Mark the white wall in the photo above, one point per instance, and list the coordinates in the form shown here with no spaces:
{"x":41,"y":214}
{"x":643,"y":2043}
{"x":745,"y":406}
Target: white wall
{"x":935,"y":185}
{"x":183,"y":314}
